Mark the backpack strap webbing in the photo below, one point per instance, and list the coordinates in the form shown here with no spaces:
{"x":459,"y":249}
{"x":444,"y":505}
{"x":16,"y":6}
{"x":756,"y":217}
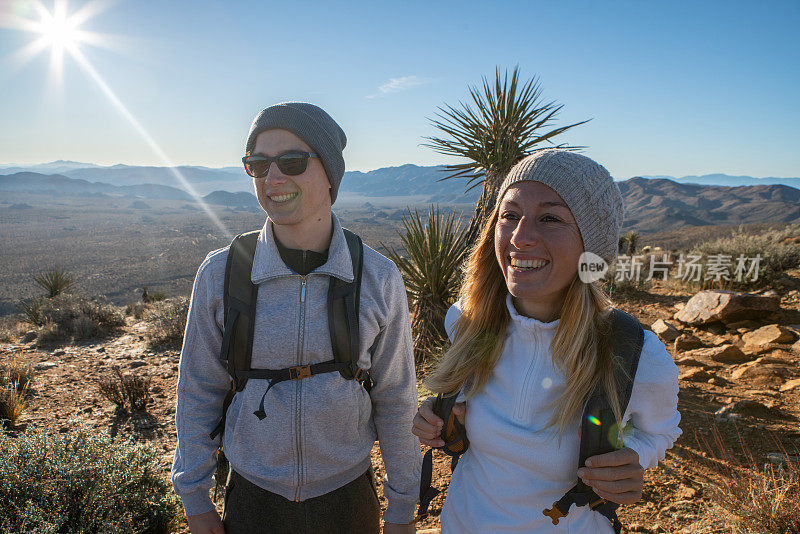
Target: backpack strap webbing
{"x":456,"y":443}
{"x":343,"y":313}
{"x":239,"y":302}
{"x":600,"y":432}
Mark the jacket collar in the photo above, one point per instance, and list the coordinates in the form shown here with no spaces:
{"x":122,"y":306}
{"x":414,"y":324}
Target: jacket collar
{"x":267,"y":262}
{"x":529,"y":323}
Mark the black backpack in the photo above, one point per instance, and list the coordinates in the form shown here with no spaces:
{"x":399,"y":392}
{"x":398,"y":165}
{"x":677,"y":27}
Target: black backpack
{"x":627,"y":337}
{"x":240,"y":298}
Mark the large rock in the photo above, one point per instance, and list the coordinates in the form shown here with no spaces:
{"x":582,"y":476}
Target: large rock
{"x":759,"y":373}
{"x":791,"y":384}
{"x":695,"y":374}
{"x":727,"y":306}
{"x":743,"y":407}
{"x":723,"y":354}
{"x":769,"y":334}
{"x":665,"y":331}
{"x":687,"y":342}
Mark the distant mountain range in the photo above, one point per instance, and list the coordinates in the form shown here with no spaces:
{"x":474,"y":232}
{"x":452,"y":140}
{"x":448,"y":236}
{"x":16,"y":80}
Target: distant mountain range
{"x":658,"y":204}
{"x":390,"y":181}
{"x":652,"y":204}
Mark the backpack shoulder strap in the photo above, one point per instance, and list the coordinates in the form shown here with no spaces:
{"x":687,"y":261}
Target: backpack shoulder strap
{"x":599,"y":430}
{"x":343,"y":310}
{"x":239,"y":300}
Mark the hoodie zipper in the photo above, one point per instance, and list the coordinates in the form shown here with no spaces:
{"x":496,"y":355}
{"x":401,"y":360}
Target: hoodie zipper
{"x":298,"y":386}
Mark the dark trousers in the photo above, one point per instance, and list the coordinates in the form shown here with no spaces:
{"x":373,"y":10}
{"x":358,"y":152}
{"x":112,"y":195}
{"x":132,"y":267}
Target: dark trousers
{"x":351,"y":509}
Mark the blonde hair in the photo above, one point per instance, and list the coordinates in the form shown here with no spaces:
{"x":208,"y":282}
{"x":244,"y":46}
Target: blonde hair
{"x":580,"y":349}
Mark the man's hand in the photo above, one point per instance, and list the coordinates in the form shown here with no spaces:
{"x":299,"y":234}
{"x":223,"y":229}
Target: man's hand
{"x":207,"y":523}
{"x":428,"y":426}
{"x":615,"y":476}
{"x":394,"y":528}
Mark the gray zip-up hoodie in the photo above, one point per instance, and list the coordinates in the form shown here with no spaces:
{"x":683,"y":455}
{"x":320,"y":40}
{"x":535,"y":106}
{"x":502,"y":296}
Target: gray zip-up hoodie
{"x":319,"y":431}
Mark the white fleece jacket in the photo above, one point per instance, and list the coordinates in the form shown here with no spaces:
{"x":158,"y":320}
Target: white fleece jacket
{"x":513,"y":470}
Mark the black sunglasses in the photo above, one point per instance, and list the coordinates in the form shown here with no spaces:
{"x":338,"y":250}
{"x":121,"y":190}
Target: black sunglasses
{"x":290,"y":163}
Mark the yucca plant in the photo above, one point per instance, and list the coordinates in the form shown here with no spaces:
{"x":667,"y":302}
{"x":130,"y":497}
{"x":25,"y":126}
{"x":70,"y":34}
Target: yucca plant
{"x":623,"y":244}
{"x":506,"y":122}
{"x":55,"y":281}
{"x":632,"y":238}
{"x":434,"y":249}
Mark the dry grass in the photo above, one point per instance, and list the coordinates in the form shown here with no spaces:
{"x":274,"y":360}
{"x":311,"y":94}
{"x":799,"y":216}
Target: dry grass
{"x":760,"y":498}
{"x":12,"y":405}
{"x":127,"y":390}
{"x":15,"y":384}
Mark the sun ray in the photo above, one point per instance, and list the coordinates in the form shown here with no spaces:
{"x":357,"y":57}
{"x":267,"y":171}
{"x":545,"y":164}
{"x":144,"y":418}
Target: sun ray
{"x":145,"y":135}
{"x":59,"y":31}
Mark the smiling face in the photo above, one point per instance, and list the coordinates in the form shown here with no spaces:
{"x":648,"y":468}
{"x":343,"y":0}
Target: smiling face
{"x":300,"y":200}
{"x":538,"y":245}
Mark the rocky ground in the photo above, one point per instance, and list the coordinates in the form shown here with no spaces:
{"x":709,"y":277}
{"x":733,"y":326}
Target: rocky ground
{"x":739,"y":382}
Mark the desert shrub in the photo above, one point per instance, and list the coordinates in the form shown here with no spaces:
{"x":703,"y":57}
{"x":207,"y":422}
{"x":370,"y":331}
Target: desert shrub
{"x":777,"y":250}
{"x":32,"y":311}
{"x":136,"y":309}
{"x":431,"y":271}
{"x":625,"y":287}
{"x":82,"y":482}
{"x":55,"y":281}
{"x":66,"y":317}
{"x":129,"y":388}
{"x":51,"y":334}
{"x":166,"y":321}
{"x":152,"y":296}
{"x":86,"y":327}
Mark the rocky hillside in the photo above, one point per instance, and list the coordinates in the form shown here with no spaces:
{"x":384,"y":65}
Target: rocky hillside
{"x":655,"y":205}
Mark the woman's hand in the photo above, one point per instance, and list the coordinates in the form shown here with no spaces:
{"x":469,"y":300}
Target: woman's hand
{"x":428,"y":426}
{"x":615,"y":476}
{"x":207,"y":523}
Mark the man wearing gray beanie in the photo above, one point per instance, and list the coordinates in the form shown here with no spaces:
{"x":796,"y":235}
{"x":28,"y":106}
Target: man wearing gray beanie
{"x":301,"y":461}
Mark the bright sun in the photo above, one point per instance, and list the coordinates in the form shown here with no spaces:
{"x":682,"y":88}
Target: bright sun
{"x":58,"y":30}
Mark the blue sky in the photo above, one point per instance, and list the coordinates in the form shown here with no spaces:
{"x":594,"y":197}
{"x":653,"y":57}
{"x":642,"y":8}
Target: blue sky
{"x":672,"y":88}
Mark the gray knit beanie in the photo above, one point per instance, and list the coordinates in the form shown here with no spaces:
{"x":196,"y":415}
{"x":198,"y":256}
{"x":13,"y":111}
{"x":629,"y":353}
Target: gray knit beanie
{"x":311,"y":124}
{"x":587,"y":189}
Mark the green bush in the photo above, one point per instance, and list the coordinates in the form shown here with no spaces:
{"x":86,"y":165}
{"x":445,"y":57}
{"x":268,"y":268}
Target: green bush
{"x":167,"y":321}
{"x":82,"y":482}
{"x":66,"y":317}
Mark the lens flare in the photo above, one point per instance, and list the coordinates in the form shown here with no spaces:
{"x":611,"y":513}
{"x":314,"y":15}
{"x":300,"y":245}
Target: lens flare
{"x":594,"y":420}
